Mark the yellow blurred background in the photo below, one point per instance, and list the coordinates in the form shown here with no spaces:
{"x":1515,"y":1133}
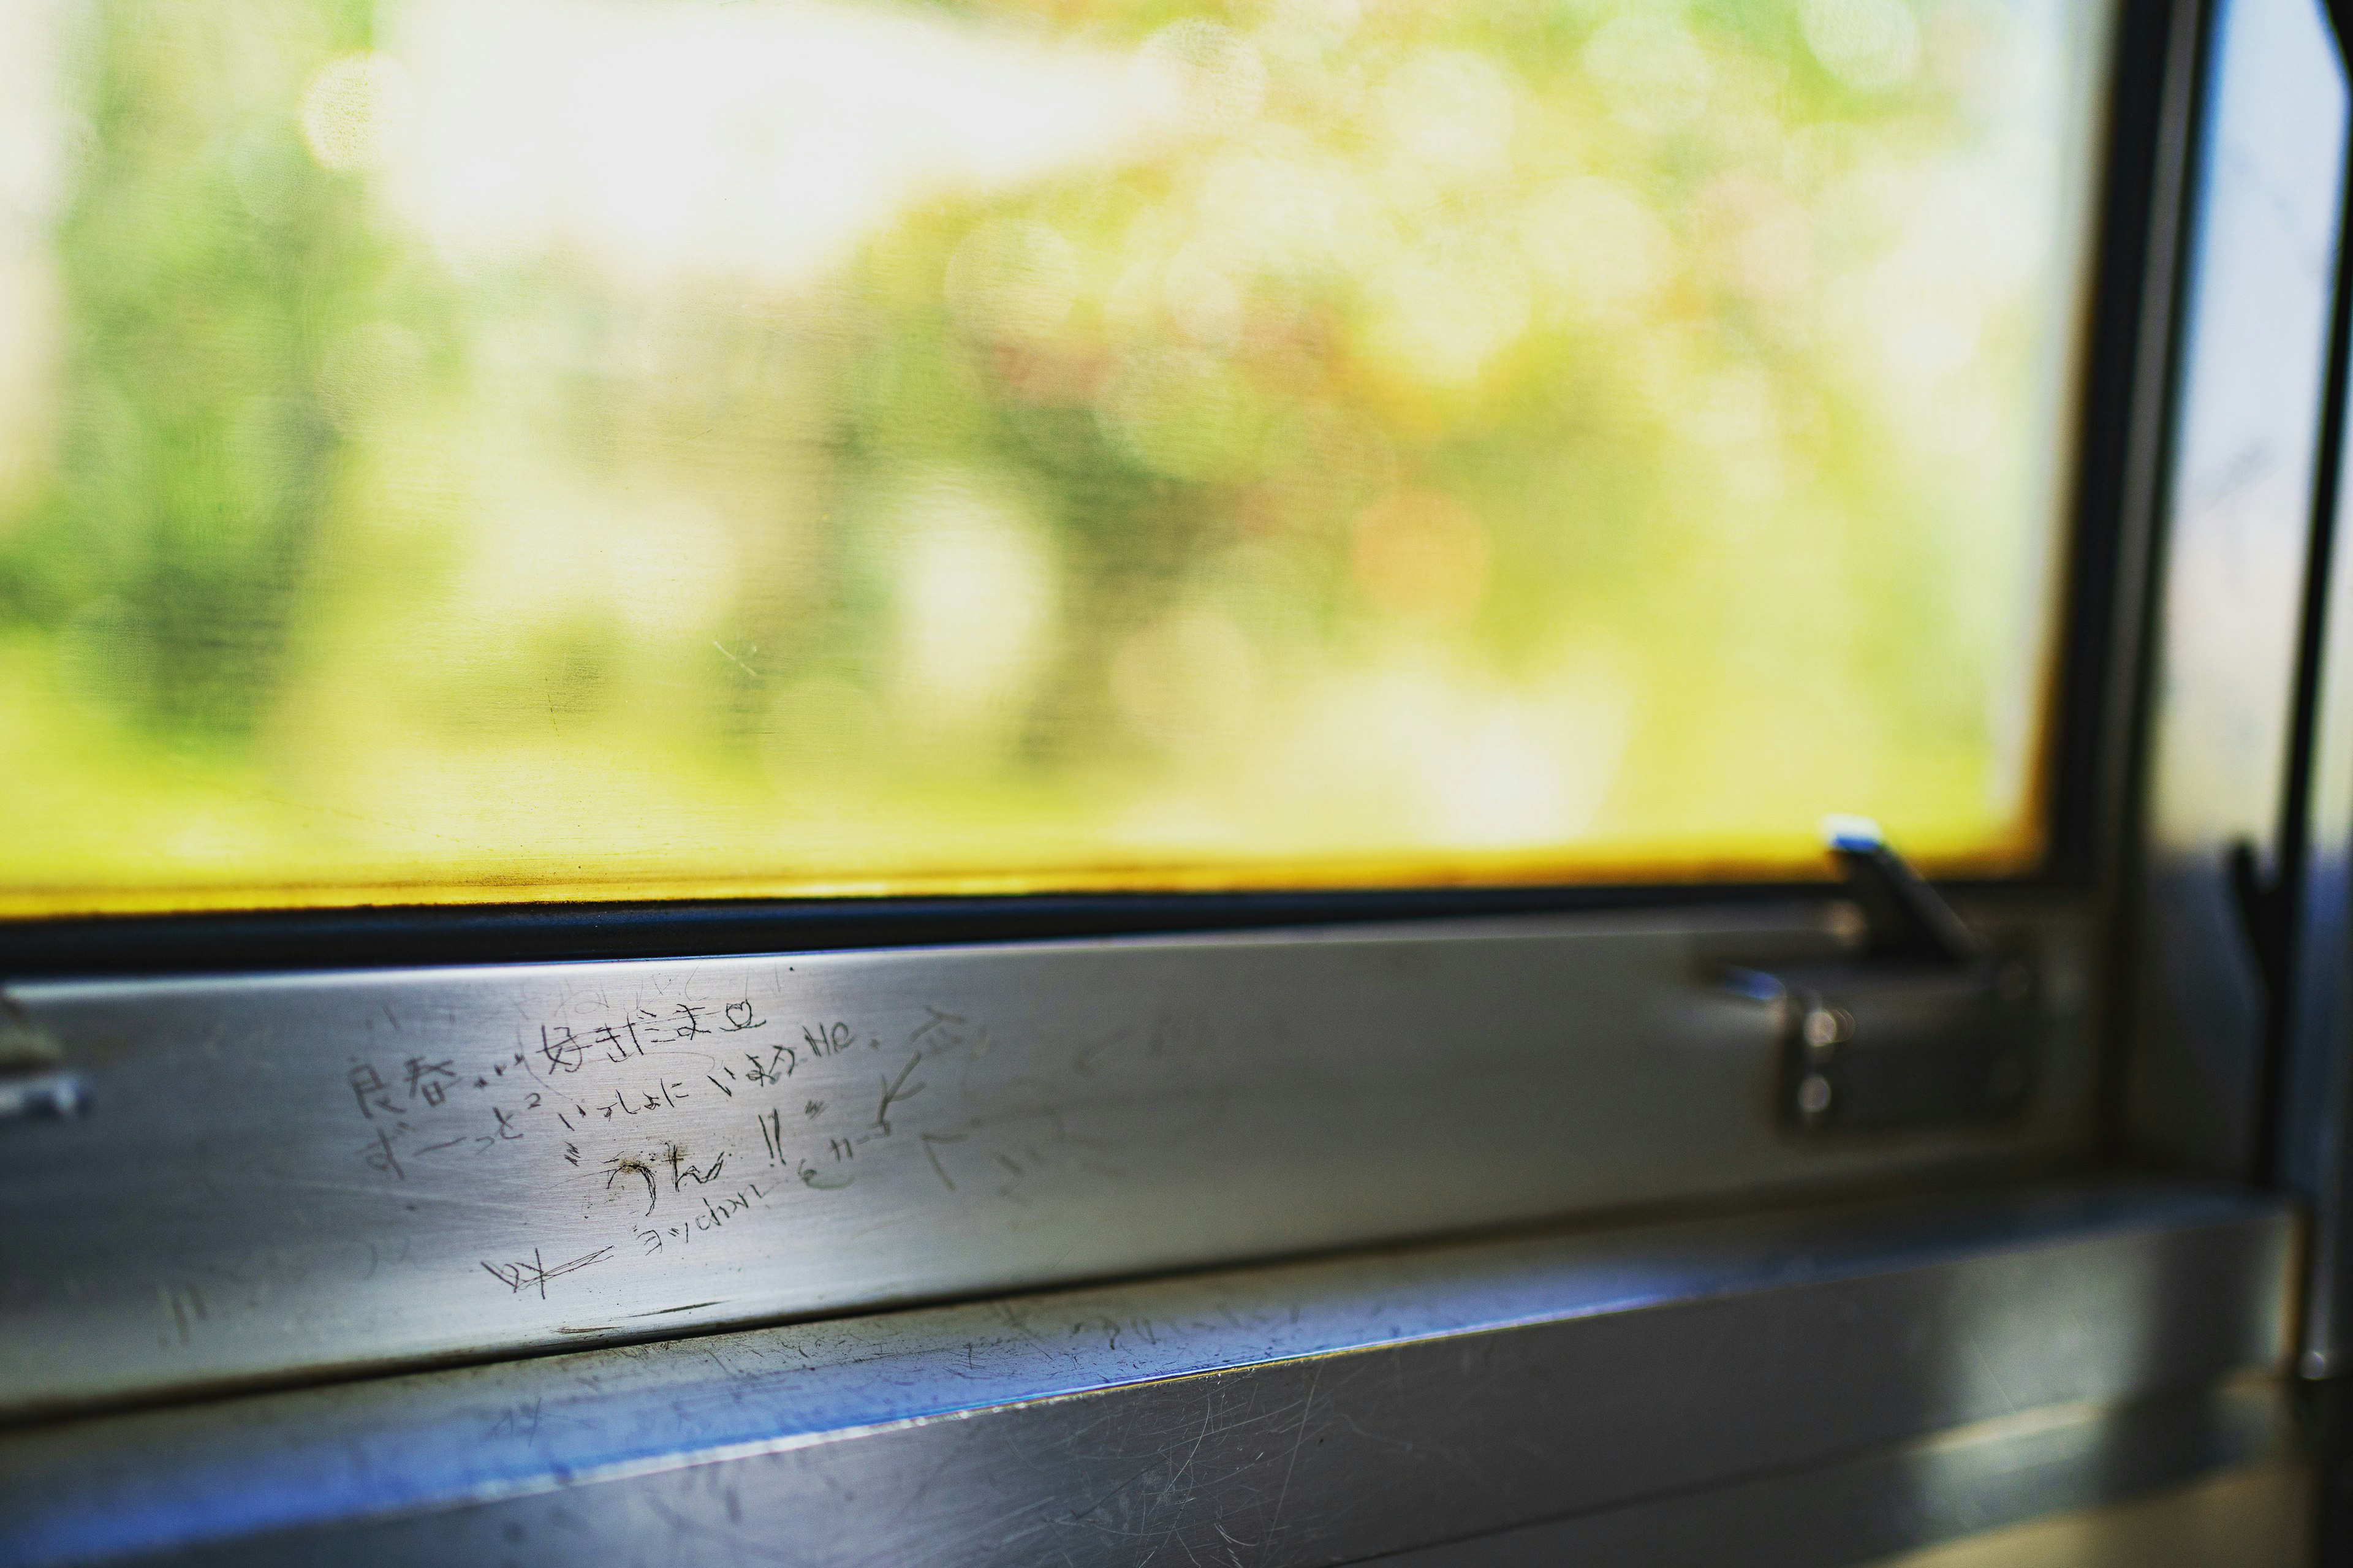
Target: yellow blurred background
{"x":633,"y":448}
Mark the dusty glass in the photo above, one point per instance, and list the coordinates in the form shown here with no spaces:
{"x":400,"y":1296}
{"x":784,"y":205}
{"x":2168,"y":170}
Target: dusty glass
{"x":570,"y":448}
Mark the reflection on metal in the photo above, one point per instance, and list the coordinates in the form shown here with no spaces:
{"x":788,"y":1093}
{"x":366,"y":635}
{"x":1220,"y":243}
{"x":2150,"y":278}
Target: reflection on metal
{"x":1312,"y":1412}
{"x":42,"y":1096}
{"x":2261,"y":283}
{"x":307,"y":1171}
{"x":1953,"y":1486}
{"x":2250,"y":1516}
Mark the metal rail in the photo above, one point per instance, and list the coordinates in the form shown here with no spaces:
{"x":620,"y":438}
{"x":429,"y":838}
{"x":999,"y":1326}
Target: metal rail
{"x":295,"y":1174}
{"x":1953,"y":1360}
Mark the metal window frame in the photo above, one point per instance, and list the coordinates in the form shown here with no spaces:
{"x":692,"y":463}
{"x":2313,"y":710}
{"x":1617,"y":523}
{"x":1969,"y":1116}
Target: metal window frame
{"x":587,"y":1154}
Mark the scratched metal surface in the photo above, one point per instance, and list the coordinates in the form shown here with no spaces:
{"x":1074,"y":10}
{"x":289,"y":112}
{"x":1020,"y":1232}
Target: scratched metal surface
{"x":1305,"y":1412}
{"x":366,"y":1169}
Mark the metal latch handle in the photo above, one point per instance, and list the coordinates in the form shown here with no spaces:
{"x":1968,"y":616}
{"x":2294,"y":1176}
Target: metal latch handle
{"x":1927,"y":1027}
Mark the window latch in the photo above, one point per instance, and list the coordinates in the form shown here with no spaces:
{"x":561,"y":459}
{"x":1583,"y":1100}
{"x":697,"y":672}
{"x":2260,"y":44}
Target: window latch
{"x":35,"y":1084}
{"x":1925,"y":1028}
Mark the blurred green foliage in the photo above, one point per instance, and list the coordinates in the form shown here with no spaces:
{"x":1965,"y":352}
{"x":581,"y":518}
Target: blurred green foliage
{"x":630,"y":448}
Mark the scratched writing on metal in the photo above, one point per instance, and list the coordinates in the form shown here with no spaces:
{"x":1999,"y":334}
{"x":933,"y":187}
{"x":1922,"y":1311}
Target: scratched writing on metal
{"x":519,"y":1276}
{"x":565,"y":1050}
{"x":501,"y":1093}
{"x":710,"y":1213}
{"x":641,"y":1108}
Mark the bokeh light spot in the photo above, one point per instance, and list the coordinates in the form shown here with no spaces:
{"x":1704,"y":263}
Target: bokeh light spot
{"x":357,"y":109}
{"x":1873,"y":46}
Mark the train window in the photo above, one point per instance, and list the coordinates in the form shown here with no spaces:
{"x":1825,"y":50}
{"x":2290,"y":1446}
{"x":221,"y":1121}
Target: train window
{"x":669,"y":450}
{"x":1022,"y":780}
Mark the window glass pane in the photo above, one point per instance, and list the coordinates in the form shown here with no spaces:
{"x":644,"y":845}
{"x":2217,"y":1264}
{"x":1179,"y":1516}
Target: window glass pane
{"x":636,"y":448}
